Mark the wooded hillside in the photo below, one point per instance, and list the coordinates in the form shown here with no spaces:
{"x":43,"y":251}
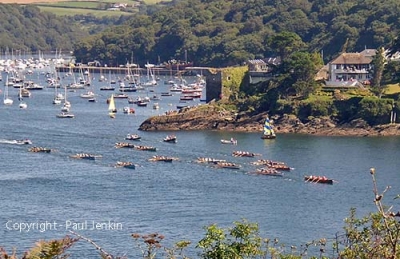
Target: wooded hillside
{"x":221,"y":33}
{"x":26,"y":28}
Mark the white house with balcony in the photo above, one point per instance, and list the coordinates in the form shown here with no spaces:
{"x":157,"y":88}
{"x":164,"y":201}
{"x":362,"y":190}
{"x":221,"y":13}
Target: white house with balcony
{"x":351,"y":69}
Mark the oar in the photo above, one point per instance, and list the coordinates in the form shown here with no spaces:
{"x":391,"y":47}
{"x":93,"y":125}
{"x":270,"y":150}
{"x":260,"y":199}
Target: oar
{"x":314,"y":180}
{"x":309,"y":179}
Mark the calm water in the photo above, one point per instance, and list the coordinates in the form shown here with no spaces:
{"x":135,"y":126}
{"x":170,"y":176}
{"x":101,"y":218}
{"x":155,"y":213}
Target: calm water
{"x":175,"y":199}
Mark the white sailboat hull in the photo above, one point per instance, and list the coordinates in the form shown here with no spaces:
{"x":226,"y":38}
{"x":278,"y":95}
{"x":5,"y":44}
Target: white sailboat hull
{"x":8,"y":101}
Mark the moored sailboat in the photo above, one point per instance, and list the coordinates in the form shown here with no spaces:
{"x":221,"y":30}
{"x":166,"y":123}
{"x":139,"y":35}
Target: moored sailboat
{"x":7,"y":100}
{"x":269,"y":132}
{"x":111,"y":107}
{"x":65,"y":114}
{"x":67,"y":104}
{"x":22,"y":104}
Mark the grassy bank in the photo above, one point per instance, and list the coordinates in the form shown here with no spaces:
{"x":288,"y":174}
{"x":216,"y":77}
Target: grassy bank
{"x":93,"y":7}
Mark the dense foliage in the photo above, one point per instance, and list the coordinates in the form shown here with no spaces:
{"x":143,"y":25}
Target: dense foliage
{"x":222,"y":33}
{"x":26,"y":28}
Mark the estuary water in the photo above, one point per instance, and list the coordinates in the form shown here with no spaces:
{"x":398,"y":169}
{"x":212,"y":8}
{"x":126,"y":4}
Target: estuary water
{"x":174,"y":199}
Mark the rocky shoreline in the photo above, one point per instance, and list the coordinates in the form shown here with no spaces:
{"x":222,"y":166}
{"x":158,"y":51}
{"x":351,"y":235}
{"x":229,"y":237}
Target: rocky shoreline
{"x":206,"y":117}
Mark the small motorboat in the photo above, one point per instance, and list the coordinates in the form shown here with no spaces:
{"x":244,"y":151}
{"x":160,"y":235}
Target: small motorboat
{"x":318,"y":179}
{"x":23,"y":142}
{"x":132,"y":137}
{"x":141,"y":104}
{"x":128,"y":110}
{"x":65,"y":115}
{"x":121,"y":96}
{"x":23,"y":105}
{"x":107,"y":88}
{"x":232,"y":141}
{"x":166,"y":94}
{"x":170,"y":139}
{"x":88,"y":95}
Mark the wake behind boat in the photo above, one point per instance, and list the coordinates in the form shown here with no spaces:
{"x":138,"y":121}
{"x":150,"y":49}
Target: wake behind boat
{"x":16,"y":141}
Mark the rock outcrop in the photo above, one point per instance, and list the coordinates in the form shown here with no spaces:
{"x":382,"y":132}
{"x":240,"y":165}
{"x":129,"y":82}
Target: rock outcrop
{"x":203,"y":117}
{"x":210,"y":117}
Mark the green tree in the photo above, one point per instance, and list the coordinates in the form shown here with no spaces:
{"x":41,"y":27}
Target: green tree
{"x":285,"y":43}
{"x":374,"y":110}
{"x":376,"y":235}
{"x":302,"y":68}
{"x":391,"y":73}
{"x":378,"y":63}
{"x":241,"y":241}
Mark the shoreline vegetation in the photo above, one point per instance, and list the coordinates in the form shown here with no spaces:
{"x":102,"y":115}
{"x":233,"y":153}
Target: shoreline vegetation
{"x":209,"y":117}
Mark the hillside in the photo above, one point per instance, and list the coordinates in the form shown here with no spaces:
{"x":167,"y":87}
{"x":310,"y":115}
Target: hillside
{"x":27,"y":28}
{"x":223,"y":33}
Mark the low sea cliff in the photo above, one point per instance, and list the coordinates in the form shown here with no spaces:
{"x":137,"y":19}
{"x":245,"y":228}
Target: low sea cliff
{"x":209,"y":117}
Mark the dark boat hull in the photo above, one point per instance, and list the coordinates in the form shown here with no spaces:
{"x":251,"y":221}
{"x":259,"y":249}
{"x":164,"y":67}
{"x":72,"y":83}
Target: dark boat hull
{"x":129,"y":166}
{"x":268,"y":137}
{"x":170,"y":140}
{"x":317,"y":180}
